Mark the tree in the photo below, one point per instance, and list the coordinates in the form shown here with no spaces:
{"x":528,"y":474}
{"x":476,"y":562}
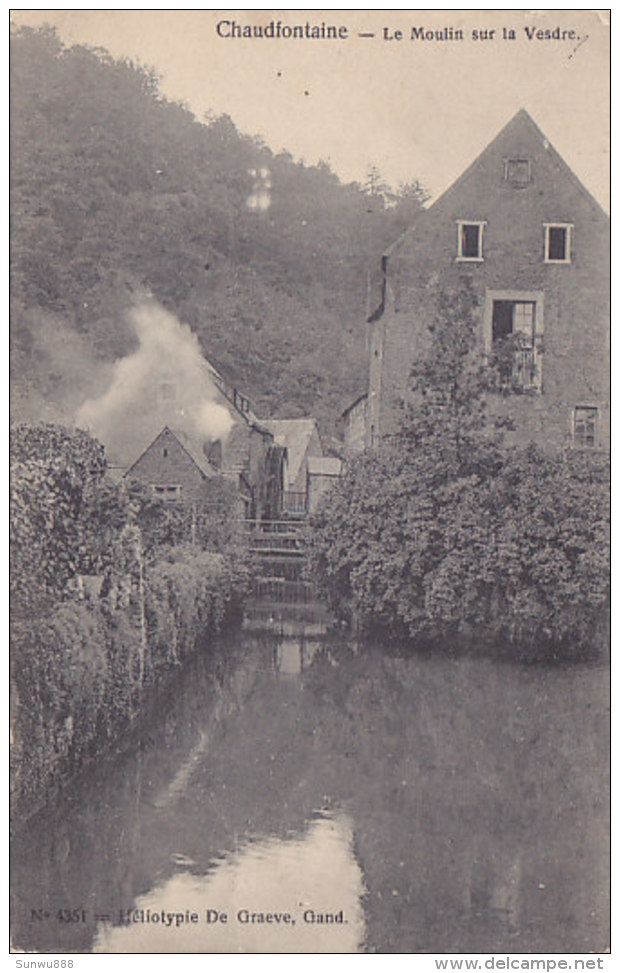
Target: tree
{"x":446,"y":411}
{"x":116,"y":190}
{"x":451,"y":538}
{"x":52,"y":470}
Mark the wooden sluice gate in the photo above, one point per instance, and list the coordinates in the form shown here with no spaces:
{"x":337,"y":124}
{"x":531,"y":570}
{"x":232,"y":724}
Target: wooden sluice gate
{"x":281,"y":593}
{"x":275,"y":545}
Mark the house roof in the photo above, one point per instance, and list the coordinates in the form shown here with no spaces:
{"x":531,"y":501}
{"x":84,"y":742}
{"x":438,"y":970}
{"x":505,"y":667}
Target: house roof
{"x":192,"y":449}
{"x":296,"y":435}
{"x":521,"y":123}
{"x":355,"y":402}
{"x":324,"y":466}
{"x":237,"y":399}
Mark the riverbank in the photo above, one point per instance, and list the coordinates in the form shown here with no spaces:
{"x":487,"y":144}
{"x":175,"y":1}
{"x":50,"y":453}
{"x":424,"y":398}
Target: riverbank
{"x":88,"y":671}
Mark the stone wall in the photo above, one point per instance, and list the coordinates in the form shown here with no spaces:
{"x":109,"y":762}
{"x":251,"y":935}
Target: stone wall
{"x":572,"y":298}
{"x":166,"y":464}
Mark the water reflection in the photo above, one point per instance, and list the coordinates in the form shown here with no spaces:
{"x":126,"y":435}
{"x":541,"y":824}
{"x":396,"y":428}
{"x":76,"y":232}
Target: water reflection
{"x":294,"y":895}
{"x":226,"y":757}
{"x":294,"y":655}
{"x":475,"y":802}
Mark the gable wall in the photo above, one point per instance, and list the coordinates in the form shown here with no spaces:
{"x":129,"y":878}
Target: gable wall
{"x":575,"y":367}
{"x":175,"y":469}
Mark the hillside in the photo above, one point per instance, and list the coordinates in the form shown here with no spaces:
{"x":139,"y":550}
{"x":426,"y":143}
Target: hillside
{"x":116,"y":192}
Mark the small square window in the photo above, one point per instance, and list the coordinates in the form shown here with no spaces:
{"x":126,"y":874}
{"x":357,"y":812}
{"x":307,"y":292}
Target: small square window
{"x":469,"y":240}
{"x":557,"y":243}
{"x":517,"y":171}
{"x":585,"y":420}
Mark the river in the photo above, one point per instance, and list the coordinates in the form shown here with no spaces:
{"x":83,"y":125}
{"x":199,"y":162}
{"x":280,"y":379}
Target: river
{"x":296,"y":792}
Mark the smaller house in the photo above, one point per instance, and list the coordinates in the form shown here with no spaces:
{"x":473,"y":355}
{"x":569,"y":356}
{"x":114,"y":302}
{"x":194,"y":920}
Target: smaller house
{"x":300,"y":438}
{"x":323,"y":472}
{"x":173,"y":467}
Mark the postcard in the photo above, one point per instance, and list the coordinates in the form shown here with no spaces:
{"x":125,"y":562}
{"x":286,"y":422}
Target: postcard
{"x":309,"y":469}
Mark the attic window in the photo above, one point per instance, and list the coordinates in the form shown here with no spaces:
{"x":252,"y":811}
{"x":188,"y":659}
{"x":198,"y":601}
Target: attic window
{"x":518,"y":172}
{"x":557,"y":243}
{"x":469,"y":240}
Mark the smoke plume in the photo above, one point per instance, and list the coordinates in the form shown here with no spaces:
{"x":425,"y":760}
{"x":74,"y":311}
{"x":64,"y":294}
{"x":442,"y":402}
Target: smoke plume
{"x":53,"y":369}
{"x":164,"y":382}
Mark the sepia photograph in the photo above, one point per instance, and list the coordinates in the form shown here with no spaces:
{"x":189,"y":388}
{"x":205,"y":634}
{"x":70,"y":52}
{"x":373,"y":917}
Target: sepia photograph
{"x":309,"y":483}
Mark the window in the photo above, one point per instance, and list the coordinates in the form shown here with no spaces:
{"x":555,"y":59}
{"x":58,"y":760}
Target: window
{"x":557,"y":243}
{"x":240,"y":401}
{"x":511,"y":318}
{"x":516,"y":345}
{"x":585,"y":419}
{"x":167,"y":492}
{"x":469,"y":240}
{"x":518,"y":172}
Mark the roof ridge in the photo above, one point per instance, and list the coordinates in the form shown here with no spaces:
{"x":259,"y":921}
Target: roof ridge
{"x":205,"y":472}
{"x":521,"y":114}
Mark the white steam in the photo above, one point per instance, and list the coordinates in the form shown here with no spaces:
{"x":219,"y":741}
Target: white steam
{"x":165,"y":382}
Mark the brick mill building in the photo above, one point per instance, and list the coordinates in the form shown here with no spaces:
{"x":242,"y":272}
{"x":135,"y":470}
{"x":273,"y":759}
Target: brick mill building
{"x":534,"y":245}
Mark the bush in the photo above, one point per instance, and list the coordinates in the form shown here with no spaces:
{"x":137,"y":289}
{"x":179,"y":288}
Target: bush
{"x":83,"y":654}
{"x":59,"y":666}
{"x":519,"y":557}
{"x":52,"y":470}
{"x":447,"y":536}
{"x":189,"y":593}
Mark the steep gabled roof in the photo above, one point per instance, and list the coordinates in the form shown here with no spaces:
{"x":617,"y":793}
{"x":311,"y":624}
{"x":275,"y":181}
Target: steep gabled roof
{"x":521,"y":125}
{"x":296,"y":435}
{"x":233,"y":397}
{"x":193,"y":452}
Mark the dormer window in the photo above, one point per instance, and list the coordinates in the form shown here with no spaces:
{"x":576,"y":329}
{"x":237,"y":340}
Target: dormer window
{"x":518,"y":172}
{"x":557,"y":243}
{"x":469,"y":240}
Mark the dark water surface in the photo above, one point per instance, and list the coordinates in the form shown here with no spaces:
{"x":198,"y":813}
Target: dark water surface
{"x":364,"y":802}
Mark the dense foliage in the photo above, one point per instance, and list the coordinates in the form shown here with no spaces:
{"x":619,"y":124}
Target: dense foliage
{"x":52,"y":474}
{"x":117,"y":191}
{"x":450,"y":537}
{"x":111,"y":589}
